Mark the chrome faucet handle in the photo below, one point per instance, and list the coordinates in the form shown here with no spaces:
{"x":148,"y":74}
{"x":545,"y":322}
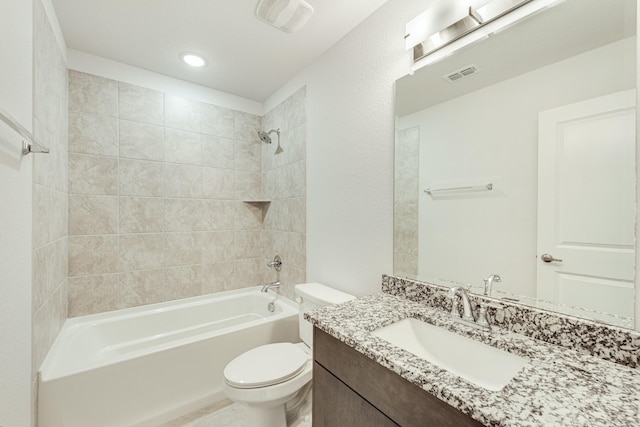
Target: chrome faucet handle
{"x":276,"y":263}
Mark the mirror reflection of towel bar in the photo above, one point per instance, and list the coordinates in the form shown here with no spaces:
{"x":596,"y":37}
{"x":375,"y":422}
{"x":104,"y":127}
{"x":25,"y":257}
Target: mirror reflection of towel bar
{"x":484,"y":187}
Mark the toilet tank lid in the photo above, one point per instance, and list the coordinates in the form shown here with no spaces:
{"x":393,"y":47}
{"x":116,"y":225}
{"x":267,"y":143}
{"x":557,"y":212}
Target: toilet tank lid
{"x":322,"y":294}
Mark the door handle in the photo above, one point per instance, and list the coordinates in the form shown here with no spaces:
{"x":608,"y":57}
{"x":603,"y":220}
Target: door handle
{"x":549,"y":258}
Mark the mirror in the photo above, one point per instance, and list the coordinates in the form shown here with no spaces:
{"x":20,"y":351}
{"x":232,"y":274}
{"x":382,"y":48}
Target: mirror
{"x":522,"y":145}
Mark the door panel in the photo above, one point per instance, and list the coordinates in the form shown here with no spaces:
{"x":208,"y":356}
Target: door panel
{"x":586,"y":203}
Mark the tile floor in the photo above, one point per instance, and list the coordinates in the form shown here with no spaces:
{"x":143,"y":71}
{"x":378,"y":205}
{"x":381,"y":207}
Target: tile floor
{"x":229,"y":414}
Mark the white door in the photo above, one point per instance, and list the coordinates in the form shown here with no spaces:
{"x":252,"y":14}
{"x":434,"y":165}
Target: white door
{"x":586,"y":203}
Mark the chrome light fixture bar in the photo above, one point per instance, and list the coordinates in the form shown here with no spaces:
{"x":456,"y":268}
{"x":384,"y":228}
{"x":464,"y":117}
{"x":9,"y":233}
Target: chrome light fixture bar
{"x":474,"y":20}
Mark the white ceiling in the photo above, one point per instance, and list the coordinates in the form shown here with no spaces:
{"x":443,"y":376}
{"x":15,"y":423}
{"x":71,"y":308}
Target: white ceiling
{"x":246,"y":57}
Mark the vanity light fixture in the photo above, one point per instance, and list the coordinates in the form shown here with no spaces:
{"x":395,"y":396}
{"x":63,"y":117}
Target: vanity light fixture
{"x":193,"y":59}
{"x":473,"y":20}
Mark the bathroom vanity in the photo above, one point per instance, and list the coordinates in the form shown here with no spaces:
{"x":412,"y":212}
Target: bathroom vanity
{"x":362,"y":379}
{"x":351,"y":389}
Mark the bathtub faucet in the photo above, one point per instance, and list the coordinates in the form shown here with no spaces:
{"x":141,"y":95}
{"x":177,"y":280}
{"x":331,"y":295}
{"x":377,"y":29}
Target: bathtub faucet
{"x":268,"y":286}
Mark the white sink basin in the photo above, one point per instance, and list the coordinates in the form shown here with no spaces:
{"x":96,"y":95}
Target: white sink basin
{"x":479,"y":363}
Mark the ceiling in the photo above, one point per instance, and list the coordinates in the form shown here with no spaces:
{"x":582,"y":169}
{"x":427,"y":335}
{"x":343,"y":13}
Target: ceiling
{"x":246,"y":57}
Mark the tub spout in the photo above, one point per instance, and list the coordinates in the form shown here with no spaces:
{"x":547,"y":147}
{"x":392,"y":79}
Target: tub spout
{"x":268,"y":286}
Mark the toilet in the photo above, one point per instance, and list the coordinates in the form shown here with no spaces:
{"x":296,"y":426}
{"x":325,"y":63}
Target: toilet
{"x":267,"y":377}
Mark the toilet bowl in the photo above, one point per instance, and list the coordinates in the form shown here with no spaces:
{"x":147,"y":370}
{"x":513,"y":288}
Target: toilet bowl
{"x":267,"y":377}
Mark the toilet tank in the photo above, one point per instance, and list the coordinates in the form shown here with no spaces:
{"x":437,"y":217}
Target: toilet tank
{"x":315,"y":295}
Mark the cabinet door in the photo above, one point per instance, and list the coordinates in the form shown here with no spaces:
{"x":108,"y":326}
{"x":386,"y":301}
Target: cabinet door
{"x":336,"y":405}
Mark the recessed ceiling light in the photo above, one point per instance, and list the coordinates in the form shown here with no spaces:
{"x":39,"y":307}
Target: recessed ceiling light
{"x":193,"y":59}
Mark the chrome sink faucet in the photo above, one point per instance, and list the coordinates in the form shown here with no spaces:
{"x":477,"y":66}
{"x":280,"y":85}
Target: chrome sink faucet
{"x":467,"y":317}
{"x":467,"y":314}
{"x":268,"y":286}
{"x":489,"y":281}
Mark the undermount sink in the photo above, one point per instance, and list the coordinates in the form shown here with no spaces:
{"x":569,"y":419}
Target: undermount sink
{"x":479,"y":363}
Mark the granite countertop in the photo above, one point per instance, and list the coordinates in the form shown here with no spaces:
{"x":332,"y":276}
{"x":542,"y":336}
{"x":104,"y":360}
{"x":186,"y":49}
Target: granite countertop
{"x":558,"y":387}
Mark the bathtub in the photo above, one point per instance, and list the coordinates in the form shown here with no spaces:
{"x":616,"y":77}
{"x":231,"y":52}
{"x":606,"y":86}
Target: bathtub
{"x":148,"y":365}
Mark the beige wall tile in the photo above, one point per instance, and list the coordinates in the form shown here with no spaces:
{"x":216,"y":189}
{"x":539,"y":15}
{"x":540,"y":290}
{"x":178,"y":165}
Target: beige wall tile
{"x":141,"y":252}
{"x":90,"y":255}
{"x":216,"y":246}
{"x":218,"y":152}
{"x":93,"y":134}
{"x":248,"y":216}
{"x":182,"y":113}
{"x":248,"y":272}
{"x":182,"y":180}
{"x":47,"y":322}
{"x":141,"y":141}
{"x":246,"y":244}
{"x":247,"y":127}
{"x":182,"y":147}
{"x":140,"y":178}
{"x":93,"y":294}
{"x":140,"y":104}
{"x":297,"y":211}
{"x":218,"y":121}
{"x":218,"y":183}
{"x":297,"y":250}
{"x":93,"y":214}
{"x":217,"y":215}
{"x":249,"y":156}
{"x":182,"y":282}
{"x":89,"y":174}
{"x":183,"y":214}
{"x":218,"y":277}
{"x":248,"y":185}
{"x":141,"y":215}
{"x":92,"y":94}
{"x":182,"y":249}
{"x":141,"y":287}
{"x":44,"y":167}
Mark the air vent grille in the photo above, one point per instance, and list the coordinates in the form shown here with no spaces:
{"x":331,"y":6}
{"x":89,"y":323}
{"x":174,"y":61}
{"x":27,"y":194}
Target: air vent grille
{"x":461,"y":73}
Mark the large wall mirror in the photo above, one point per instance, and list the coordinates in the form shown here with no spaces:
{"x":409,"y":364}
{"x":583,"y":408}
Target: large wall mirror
{"x":515,"y":156}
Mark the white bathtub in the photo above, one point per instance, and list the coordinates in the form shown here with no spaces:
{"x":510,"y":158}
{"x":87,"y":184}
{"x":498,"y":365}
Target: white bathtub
{"x":147,"y":365}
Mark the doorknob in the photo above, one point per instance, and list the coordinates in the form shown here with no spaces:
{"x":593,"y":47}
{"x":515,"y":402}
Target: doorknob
{"x":549,"y":258}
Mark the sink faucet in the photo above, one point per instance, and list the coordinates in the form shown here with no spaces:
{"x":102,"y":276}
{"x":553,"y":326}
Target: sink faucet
{"x":466,"y":317}
{"x":467,"y":314}
{"x":268,"y":286}
{"x":489,"y":281}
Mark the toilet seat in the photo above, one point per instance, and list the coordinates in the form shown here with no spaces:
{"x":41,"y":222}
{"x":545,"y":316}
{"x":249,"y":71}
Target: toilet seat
{"x":265,"y":366}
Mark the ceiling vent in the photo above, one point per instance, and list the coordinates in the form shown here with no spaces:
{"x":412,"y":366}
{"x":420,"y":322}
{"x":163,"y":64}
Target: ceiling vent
{"x":286,"y":15}
{"x":461,"y":73}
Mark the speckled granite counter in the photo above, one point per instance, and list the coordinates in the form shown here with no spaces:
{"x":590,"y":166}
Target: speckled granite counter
{"x":558,"y":387}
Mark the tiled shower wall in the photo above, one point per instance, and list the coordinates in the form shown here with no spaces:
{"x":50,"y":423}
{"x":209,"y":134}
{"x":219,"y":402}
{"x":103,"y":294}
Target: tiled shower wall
{"x":156,"y":190}
{"x":406,"y":193}
{"x":49,"y":293}
{"x":284,"y":183}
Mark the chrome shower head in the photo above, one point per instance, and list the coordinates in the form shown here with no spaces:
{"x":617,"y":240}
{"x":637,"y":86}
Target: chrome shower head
{"x":264,"y":136}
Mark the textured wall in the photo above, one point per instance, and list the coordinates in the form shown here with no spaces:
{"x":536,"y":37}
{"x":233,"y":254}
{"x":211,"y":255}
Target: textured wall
{"x":49,"y":297}
{"x":156,"y":190}
{"x":284,"y":182}
{"x":350,"y":126}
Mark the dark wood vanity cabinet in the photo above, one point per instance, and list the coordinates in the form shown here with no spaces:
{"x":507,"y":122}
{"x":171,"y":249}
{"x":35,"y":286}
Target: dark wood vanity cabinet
{"x":351,"y":390}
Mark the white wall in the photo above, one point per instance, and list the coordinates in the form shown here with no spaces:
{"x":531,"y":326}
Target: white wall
{"x":15,"y":219}
{"x":350,"y":104}
{"x":498,"y":145}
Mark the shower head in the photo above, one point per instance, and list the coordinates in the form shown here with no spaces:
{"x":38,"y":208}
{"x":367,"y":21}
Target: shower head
{"x":264,"y":136}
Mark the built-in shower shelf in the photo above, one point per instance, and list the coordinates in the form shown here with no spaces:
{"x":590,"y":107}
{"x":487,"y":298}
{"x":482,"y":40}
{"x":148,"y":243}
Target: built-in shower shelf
{"x":257,"y":201}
